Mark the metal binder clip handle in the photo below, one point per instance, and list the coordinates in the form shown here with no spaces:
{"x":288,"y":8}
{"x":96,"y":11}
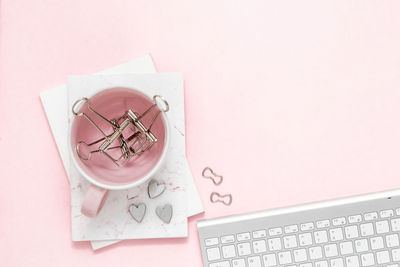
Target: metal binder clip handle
{"x":216,"y":197}
{"x":216,"y":178}
{"x":161,"y":103}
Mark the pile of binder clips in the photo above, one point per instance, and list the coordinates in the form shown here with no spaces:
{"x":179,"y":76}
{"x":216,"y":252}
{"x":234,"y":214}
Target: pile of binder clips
{"x":129,"y":137}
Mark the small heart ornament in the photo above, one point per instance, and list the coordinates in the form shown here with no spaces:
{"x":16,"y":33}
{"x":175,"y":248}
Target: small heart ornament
{"x":155,"y":189}
{"x":137,"y":211}
{"x":164,"y":213}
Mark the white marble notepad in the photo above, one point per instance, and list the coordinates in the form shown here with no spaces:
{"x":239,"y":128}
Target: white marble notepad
{"x":55,"y":105}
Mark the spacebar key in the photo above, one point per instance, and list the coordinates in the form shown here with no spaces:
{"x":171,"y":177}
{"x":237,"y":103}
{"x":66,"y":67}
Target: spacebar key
{"x":220,"y":264}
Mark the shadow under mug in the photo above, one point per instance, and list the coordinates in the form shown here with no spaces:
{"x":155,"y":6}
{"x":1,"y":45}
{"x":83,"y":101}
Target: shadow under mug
{"x":100,"y":171}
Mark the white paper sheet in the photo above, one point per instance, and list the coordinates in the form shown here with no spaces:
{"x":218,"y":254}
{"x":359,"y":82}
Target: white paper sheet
{"x":55,"y":104}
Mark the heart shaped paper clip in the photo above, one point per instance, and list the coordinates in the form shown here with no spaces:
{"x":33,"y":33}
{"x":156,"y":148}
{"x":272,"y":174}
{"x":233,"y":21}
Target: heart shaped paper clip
{"x":216,"y":197}
{"x":137,"y":211}
{"x":164,"y":213}
{"x":216,"y":178}
{"x":155,"y":189}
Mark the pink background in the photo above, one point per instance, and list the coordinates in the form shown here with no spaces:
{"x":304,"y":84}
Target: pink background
{"x":292,"y":101}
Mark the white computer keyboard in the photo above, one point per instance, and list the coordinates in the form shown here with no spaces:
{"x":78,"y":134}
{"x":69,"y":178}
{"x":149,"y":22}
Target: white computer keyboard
{"x":352,"y":232}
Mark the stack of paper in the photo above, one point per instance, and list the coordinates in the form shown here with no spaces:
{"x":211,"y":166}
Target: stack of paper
{"x":114,"y":222}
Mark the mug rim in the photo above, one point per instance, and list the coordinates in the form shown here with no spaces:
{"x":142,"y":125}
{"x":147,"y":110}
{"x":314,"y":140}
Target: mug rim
{"x":141,"y":180}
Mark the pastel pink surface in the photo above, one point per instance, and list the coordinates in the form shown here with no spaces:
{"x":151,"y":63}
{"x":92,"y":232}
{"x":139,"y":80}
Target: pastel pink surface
{"x":291,"y":101}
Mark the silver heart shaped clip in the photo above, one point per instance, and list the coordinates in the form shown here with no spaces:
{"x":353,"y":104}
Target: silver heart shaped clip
{"x":216,"y":178}
{"x":137,"y":211}
{"x":216,"y":197}
{"x":155,"y":189}
{"x":164,"y":213}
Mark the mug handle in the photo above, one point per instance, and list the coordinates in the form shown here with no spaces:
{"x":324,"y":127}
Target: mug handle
{"x":93,"y":201}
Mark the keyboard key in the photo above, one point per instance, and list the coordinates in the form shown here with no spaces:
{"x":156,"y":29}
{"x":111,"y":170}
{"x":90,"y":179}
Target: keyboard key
{"x":213,"y":254}
{"x":259,"y":246}
{"x":238,"y":263}
{"x":395,"y":225}
{"x":382,"y":257}
{"x":367,"y":259}
{"x":228,"y":252}
{"x":290,"y":241}
{"x":300,"y":255}
{"x":259,"y":234}
{"x":307,"y":226}
{"x":244,"y":249}
{"x":305,"y":239}
{"x":284,"y":257}
{"x":321,"y":237}
{"x":331,"y":250}
{"x":352,"y":261}
{"x":269,"y":260}
{"x":243,"y":237}
{"x":392,"y":241}
{"x":315,"y":253}
{"x":211,"y":241}
{"x":355,"y":218}
{"x":291,"y":229}
{"x":337,"y":262}
{"x":254,"y":261}
{"x":323,"y":224}
{"x":336,"y":234}
{"x":376,"y":243}
{"x":396,"y":254}
{"x":382,"y":227}
{"x":386,"y":213}
{"x":305,"y":265}
{"x":339,"y":221}
{"x":367,"y":229}
{"x":220,"y":264}
{"x":275,"y":231}
{"x":227,"y":239}
{"x":346,"y":248}
{"x":371,"y":216}
{"x":398,"y":211}
{"x":274,"y":244}
{"x":321,"y":264}
{"x":361,"y":245}
{"x":351,"y":232}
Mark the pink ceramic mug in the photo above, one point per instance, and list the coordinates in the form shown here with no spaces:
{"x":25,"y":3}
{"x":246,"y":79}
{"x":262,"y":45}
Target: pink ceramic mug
{"x":100,"y":171}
